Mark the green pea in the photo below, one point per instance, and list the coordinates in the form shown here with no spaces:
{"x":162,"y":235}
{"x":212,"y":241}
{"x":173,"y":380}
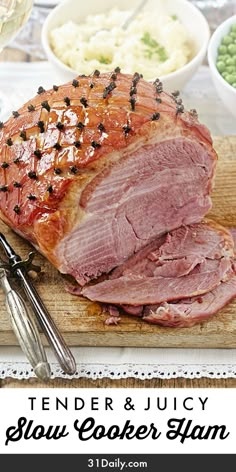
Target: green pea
{"x":232,"y":49}
{"x":223,"y":58}
{"x":220,"y":66}
{"x":229,"y":61}
{"x":234,"y":85}
{"x":233,"y":28}
{"x":227,"y":78}
{"x":230,"y":79}
{"x":230,"y":69}
{"x":224,"y":74}
{"x":226,"y":40}
{"x":222,"y":49}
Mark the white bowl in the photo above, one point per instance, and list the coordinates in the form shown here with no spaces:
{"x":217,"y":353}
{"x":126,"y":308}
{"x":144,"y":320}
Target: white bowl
{"x":226,"y":92}
{"x":189,"y":15}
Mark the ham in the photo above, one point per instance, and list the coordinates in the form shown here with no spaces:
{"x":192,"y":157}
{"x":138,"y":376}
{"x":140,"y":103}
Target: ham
{"x":94,"y":170}
{"x":189,"y":262}
{"x":138,"y":290}
{"x":110,"y":178}
{"x":208,"y":245}
{"x":188,"y":312}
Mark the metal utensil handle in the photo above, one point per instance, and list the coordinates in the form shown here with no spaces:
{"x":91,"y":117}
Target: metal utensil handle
{"x":25,"y":330}
{"x":134,"y":14}
{"x":63,"y":353}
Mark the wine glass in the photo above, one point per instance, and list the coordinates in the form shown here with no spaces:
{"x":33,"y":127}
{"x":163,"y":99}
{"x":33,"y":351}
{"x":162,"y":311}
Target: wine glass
{"x":13,"y":15}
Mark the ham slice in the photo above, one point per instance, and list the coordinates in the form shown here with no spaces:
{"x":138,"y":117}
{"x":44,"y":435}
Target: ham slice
{"x":168,"y":269}
{"x":187,"y":262}
{"x":138,"y":290}
{"x":188,"y":312}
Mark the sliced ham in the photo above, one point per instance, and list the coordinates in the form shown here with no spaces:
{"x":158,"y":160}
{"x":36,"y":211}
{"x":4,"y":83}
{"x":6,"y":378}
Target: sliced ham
{"x":187,"y":313}
{"x":138,"y":290}
{"x":178,"y":267}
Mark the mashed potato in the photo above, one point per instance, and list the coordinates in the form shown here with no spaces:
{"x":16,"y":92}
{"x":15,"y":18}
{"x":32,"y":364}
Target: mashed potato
{"x":153,"y":46}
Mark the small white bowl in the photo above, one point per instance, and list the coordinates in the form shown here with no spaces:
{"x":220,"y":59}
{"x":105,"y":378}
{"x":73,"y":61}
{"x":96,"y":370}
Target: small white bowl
{"x":189,"y":15}
{"x":226,"y":92}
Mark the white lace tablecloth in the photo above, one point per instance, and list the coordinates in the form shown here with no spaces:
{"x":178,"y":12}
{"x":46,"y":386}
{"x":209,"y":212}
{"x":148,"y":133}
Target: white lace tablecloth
{"x":140,"y":363}
{"x":20,"y":81}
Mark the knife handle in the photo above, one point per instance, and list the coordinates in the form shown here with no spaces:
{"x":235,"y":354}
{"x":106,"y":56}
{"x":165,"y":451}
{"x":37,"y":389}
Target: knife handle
{"x":25,"y":330}
{"x":54,"y":337}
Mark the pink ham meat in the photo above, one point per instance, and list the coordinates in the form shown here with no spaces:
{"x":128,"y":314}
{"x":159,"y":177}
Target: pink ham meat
{"x":188,"y":312}
{"x":94,"y":170}
{"x":193,"y":263}
{"x":187,"y":262}
{"x":139,"y":290}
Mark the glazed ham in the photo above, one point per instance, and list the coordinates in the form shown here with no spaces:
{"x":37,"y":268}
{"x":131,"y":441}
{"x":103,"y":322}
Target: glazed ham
{"x":94,"y":170}
{"x":107,"y":170}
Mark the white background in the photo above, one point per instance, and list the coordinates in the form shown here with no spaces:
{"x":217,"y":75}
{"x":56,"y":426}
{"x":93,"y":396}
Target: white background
{"x":219,"y":410}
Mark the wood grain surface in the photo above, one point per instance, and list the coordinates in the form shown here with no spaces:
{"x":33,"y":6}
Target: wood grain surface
{"x":122,"y":383}
{"x":82,"y":322}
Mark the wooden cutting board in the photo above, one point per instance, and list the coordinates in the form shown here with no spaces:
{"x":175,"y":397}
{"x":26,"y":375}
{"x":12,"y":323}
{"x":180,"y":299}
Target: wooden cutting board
{"x":82,"y":322}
